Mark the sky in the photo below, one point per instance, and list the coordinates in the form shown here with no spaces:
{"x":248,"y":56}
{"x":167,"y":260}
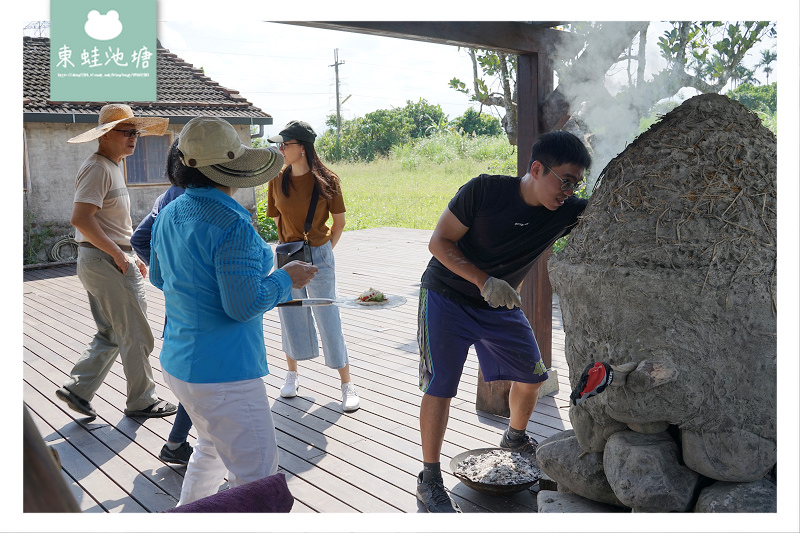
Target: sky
{"x":285,"y":70}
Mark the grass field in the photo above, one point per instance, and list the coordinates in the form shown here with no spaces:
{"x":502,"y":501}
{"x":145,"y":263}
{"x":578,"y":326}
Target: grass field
{"x":412,"y":187}
{"x":383,"y":194}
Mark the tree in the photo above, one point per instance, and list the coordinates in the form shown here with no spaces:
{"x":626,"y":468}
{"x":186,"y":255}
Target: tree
{"x":700,"y":55}
{"x":425,"y":118}
{"x":475,"y":123}
{"x":743,"y":74}
{"x":767,"y":58}
{"x":757,"y":98}
{"x":716,"y":50}
{"x":503,"y":67}
{"x":374,"y":134}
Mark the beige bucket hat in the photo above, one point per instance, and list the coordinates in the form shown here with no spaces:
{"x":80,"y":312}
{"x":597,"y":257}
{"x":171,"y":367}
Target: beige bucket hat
{"x":113,"y":114}
{"x":212,"y":146}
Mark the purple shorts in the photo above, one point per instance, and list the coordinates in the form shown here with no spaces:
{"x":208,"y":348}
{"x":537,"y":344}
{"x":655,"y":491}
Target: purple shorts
{"x":503,"y":339}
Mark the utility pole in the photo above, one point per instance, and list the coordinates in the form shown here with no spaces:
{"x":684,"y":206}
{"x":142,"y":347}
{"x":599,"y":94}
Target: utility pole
{"x":40,"y":28}
{"x":335,"y":65}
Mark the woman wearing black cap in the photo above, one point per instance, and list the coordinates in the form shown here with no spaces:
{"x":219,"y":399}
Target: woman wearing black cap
{"x":290,"y":196}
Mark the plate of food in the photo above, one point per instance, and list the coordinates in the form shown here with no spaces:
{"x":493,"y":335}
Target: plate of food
{"x":496,"y":470}
{"x":370,"y":299}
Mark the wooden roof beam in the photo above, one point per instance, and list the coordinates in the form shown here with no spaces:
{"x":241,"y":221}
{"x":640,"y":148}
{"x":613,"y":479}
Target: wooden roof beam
{"x":510,"y":37}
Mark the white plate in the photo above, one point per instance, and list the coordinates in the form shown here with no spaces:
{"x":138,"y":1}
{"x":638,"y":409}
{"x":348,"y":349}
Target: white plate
{"x":391,"y":301}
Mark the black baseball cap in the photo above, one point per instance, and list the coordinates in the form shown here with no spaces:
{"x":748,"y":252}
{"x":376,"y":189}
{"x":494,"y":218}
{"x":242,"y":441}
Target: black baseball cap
{"x":295,"y":130}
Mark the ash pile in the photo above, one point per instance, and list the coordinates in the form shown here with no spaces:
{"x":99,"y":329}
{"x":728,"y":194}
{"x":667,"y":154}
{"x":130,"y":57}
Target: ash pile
{"x":670,"y":279}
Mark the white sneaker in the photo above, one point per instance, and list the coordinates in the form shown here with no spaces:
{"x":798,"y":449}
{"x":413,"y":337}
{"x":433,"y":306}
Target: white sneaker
{"x":289,"y":389}
{"x":349,"y":397}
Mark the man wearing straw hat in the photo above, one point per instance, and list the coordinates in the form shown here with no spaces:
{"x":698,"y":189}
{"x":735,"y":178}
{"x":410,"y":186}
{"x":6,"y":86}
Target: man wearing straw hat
{"x":110,"y":271}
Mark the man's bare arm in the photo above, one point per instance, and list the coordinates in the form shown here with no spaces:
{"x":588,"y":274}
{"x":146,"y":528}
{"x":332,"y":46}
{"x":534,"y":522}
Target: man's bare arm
{"x":83,"y":218}
{"x":443,"y":247}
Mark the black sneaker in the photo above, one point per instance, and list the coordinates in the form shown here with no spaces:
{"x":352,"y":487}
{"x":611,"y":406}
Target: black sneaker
{"x":527,"y":444}
{"x":178,"y":456}
{"x":75,"y":402}
{"x":434,"y":497}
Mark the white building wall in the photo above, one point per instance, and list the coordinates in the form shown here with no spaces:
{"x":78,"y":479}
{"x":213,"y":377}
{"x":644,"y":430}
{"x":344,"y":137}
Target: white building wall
{"x":52,"y":165}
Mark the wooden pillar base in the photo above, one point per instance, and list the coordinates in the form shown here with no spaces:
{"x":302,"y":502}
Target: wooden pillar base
{"x":492,"y":397}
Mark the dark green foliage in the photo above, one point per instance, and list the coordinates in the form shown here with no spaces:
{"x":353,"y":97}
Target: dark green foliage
{"x":476,"y":123}
{"x":425,"y":118}
{"x":266,"y":225}
{"x":757,"y":98}
{"x":363,"y":139}
{"x":373,"y":135}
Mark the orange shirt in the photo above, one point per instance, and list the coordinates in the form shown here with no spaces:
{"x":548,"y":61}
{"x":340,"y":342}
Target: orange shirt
{"x":290,"y":212}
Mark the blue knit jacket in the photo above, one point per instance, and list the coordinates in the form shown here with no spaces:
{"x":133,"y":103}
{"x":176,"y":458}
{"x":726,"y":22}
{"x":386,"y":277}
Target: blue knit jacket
{"x":214,"y":270}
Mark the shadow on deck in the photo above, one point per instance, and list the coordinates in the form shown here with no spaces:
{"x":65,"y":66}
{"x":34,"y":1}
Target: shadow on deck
{"x":362,"y":462}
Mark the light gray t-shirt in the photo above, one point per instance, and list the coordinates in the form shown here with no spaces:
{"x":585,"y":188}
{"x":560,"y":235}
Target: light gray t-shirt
{"x":101,"y":182}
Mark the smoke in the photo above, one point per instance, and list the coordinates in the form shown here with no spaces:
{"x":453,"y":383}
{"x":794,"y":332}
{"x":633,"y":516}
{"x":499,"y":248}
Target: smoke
{"x":602,"y":103}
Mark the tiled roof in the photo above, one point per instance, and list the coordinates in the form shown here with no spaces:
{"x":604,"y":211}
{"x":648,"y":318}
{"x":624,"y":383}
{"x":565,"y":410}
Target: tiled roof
{"x":181,"y":91}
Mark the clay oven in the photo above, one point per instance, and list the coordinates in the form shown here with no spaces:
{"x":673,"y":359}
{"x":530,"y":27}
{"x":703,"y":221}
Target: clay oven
{"x":670,"y":278}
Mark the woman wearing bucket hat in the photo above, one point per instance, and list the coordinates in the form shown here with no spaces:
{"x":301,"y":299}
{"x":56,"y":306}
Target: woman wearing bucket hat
{"x":290,"y":198}
{"x":217,"y":278}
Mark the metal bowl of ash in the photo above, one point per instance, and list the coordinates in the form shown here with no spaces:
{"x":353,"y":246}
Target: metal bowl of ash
{"x":496,"y":470}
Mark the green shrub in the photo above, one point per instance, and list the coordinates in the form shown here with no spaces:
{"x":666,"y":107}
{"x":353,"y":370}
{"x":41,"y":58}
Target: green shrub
{"x":769,"y":120}
{"x":758,"y":98}
{"x":472,"y":122}
{"x":266,"y":225}
{"x":375,"y":134}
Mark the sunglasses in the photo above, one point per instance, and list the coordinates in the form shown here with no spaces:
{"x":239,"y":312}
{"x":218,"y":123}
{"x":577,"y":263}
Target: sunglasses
{"x":130,"y":133}
{"x":281,"y":146}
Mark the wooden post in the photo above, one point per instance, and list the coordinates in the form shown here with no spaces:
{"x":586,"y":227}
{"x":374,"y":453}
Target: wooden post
{"x":537,"y":304}
{"x":534,"y":83}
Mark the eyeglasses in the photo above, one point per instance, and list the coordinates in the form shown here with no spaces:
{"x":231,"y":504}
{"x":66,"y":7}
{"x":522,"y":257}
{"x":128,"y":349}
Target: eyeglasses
{"x":281,"y":146}
{"x":130,"y":133}
{"x":567,"y":185}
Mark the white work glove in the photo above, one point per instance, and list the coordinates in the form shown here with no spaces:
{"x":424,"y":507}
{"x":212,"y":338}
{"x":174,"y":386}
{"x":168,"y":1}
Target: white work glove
{"x":499,"y":293}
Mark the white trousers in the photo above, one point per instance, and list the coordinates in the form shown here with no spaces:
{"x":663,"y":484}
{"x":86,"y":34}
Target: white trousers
{"x":235,"y":434}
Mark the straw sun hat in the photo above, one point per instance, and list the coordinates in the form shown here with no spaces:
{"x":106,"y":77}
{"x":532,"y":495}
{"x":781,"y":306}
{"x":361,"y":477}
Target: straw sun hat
{"x":213,"y":147}
{"x":113,"y":114}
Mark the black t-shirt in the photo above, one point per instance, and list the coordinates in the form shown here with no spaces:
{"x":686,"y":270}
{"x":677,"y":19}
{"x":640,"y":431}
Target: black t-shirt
{"x":504,"y":238}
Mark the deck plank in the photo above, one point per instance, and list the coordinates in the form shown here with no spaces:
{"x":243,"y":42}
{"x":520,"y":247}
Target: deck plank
{"x":106,"y":442}
{"x":99,"y":471}
{"x":363,"y":462}
{"x":72,"y":457}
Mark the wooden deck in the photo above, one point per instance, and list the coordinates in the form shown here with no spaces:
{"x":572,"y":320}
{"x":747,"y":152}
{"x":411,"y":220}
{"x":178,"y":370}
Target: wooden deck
{"x":362,"y":462}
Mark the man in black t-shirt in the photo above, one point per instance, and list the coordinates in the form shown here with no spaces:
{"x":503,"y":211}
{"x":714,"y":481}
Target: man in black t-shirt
{"x":483,"y":246}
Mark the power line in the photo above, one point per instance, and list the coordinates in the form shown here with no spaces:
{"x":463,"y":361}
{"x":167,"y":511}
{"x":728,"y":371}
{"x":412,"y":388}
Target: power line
{"x":41,"y":28}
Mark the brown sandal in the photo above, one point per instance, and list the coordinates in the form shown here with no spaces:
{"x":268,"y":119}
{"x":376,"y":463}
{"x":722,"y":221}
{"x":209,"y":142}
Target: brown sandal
{"x":159,"y":409}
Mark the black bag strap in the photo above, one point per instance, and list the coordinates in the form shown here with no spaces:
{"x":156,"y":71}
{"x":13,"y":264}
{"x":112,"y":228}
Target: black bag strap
{"x":311,"y":209}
